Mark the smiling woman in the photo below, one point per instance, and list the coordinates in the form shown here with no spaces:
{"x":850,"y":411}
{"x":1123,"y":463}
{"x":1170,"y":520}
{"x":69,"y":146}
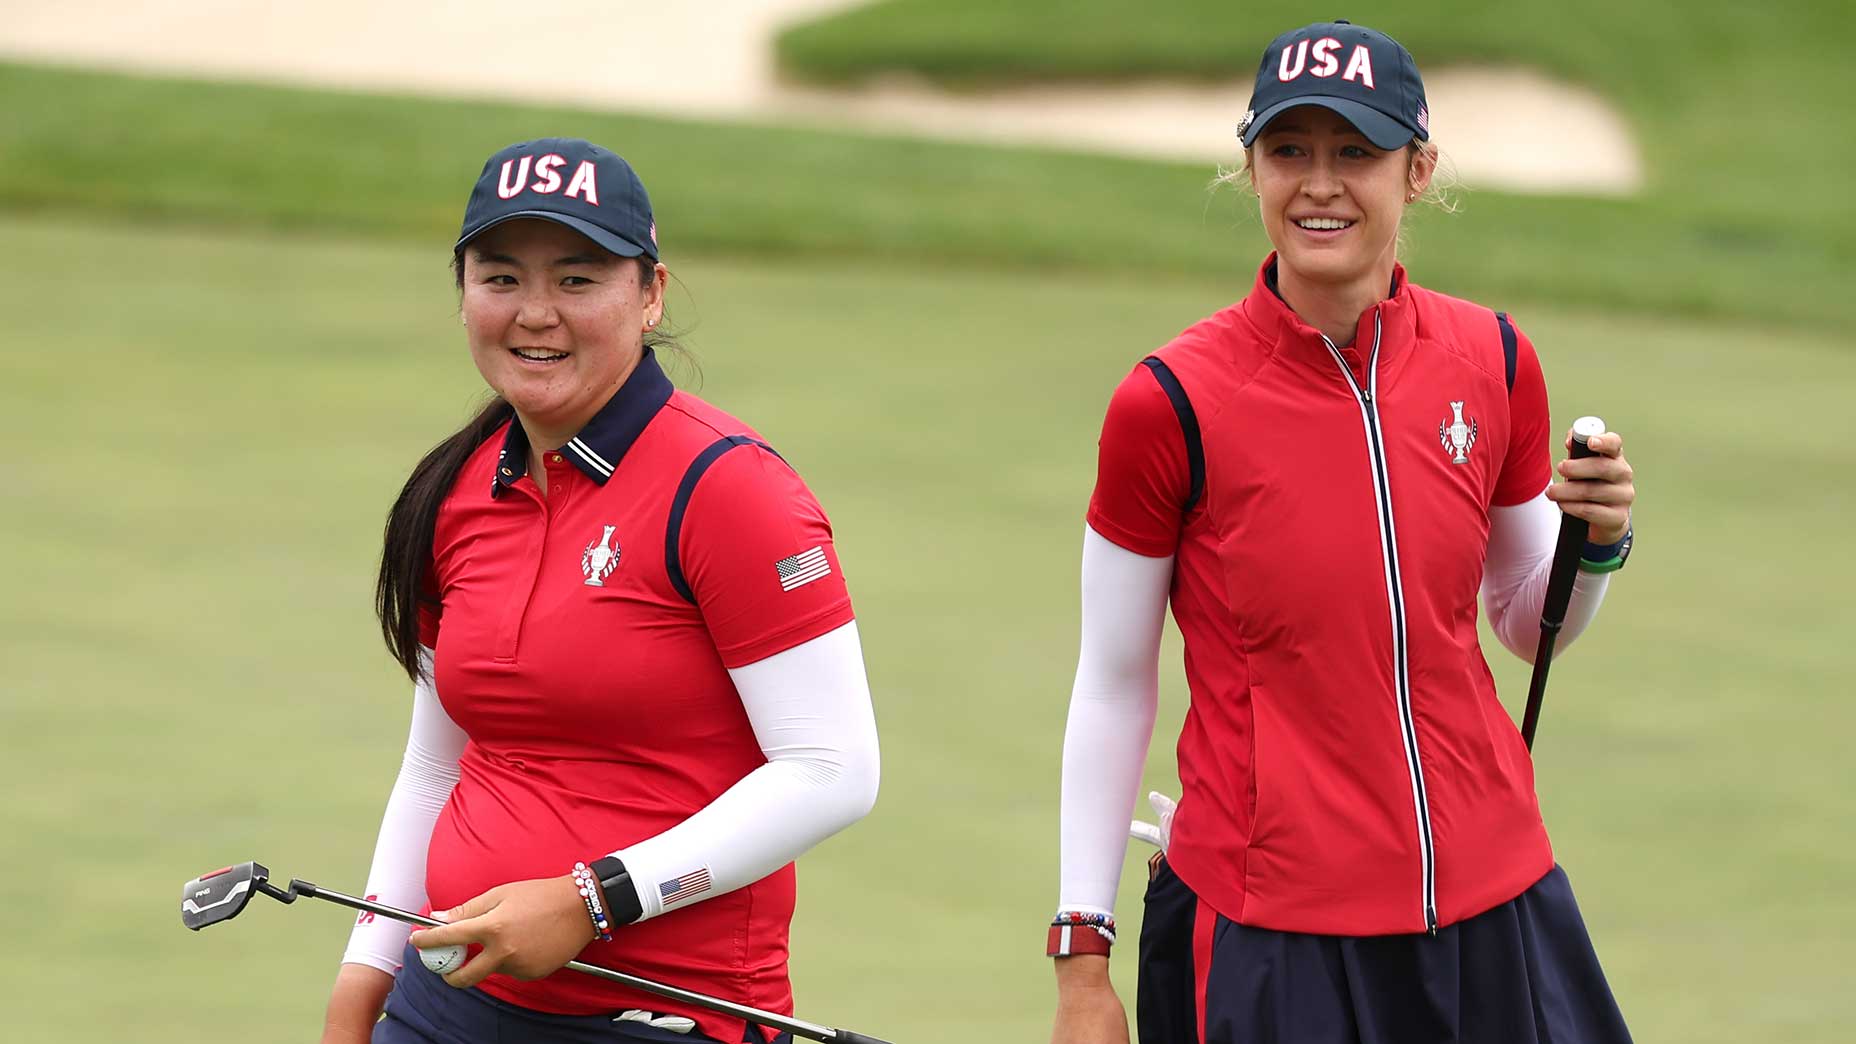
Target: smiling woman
{"x":639,"y":693}
{"x":1332,"y":200}
{"x":556,"y":324}
{"x":1322,"y":478}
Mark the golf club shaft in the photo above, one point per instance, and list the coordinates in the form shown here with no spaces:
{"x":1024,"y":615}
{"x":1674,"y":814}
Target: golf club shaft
{"x":1560,"y":576}
{"x":797,"y":1027}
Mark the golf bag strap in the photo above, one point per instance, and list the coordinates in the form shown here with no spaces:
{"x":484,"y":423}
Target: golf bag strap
{"x":1188,"y":426}
{"x":1508,"y":347}
{"x":679,"y":505}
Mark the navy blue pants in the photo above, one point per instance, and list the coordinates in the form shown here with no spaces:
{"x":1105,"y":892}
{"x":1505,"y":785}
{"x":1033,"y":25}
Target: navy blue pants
{"x":423,"y":1010}
{"x":1522,"y":973}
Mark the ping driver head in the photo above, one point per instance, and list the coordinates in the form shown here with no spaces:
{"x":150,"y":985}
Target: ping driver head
{"x":222,"y":894}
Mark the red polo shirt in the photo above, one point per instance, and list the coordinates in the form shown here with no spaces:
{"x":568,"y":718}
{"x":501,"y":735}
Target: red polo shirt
{"x":1345,"y":765}
{"x":583,"y":641}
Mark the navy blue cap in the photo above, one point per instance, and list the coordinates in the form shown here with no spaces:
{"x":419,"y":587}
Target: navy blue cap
{"x":566,"y":180}
{"x":1365,"y":76}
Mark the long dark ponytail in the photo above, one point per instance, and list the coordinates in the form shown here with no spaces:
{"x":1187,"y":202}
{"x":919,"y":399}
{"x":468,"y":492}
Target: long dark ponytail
{"x":407,"y":552}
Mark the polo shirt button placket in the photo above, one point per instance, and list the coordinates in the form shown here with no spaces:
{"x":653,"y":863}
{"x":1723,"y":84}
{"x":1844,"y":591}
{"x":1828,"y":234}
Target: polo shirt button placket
{"x":560,"y":486}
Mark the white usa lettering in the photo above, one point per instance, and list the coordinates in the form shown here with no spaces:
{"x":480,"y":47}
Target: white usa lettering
{"x":507,"y":188}
{"x":1360,"y":67}
{"x":547,"y":173}
{"x":1295,"y":61}
{"x":1283,"y":71}
{"x":1325,"y":63}
{"x":514,"y":177}
{"x":585,"y":182}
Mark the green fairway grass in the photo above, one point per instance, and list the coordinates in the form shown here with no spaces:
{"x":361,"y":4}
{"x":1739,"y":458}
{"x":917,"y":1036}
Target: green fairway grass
{"x":1778,"y":244}
{"x":208,"y":427}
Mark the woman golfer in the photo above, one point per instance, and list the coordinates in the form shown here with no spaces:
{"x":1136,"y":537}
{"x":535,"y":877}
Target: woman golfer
{"x":1320,"y":479}
{"x":639,"y":692}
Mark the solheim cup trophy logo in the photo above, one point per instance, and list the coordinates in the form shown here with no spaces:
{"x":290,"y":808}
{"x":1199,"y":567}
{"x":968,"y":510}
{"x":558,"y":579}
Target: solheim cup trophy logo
{"x":1457,"y":435}
{"x":599,"y":559}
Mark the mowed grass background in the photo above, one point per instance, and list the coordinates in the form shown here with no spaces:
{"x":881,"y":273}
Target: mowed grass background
{"x":230,"y":332}
{"x":208,"y":426}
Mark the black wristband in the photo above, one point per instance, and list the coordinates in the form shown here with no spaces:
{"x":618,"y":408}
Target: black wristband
{"x":622,"y":904}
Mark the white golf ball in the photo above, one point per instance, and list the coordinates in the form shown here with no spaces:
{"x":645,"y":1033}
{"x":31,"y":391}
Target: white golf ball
{"x":443,"y":959}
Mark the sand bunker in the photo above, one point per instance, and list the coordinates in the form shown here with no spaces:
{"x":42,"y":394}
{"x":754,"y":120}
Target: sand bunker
{"x":1506,"y":129}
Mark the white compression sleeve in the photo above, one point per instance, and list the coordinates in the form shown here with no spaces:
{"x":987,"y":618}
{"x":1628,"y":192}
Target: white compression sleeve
{"x":1112,"y":709}
{"x":1514,"y":578}
{"x":397,"y":877}
{"x":810,"y":709}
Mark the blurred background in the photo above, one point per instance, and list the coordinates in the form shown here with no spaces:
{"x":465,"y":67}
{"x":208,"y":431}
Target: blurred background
{"x":916,"y":243}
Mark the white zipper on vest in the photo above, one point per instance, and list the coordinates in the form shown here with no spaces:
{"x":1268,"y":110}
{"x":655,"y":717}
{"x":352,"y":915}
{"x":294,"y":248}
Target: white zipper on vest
{"x":1395,"y":597}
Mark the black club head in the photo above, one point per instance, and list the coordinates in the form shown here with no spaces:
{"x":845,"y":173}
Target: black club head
{"x":222,"y":894}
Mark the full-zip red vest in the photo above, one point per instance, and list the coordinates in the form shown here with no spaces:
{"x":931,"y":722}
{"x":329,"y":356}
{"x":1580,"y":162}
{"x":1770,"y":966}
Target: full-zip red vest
{"x":1346,"y":767}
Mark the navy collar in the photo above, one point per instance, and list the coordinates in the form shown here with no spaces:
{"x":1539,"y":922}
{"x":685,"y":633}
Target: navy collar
{"x":600,"y":445}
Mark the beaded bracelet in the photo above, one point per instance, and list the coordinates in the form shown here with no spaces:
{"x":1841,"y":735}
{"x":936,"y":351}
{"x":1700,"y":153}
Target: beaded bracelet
{"x":1100,"y":921}
{"x":1066,"y":938}
{"x":589,"y":894}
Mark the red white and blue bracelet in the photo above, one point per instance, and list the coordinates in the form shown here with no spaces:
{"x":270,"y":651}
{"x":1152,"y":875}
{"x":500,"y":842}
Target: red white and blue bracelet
{"x":1075,"y":932}
{"x":595,"y":909}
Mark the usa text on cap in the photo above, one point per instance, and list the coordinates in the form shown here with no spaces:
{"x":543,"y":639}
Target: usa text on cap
{"x":566,"y":180}
{"x":1365,"y":76}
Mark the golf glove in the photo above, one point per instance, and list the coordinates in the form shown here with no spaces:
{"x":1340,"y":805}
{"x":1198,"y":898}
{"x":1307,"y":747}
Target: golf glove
{"x":1156,"y":835}
{"x":673,"y":1023}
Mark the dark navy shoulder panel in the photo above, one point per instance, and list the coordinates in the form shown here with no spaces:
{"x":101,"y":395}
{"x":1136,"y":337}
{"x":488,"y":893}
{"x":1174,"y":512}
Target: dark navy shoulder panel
{"x":673,"y":531}
{"x":1508,"y":347}
{"x":1188,"y":426}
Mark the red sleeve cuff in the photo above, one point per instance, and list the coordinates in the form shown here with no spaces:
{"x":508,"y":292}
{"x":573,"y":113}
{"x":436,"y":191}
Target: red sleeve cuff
{"x":1129,"y":540}
{"x":821,"y":621}
{"x":1503,"y":498}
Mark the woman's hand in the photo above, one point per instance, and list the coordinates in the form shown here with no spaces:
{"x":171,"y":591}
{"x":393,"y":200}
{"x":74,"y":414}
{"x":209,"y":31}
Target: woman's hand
{"x":1598,"y":488}
{"x":527,"y":930}
{"x":1088,"y":1012}
{"x":354,"y":1004}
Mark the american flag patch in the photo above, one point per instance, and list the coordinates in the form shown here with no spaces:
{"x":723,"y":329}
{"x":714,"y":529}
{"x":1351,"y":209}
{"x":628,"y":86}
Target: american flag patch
{"x":1424,"y":119}
{"x":802,"y":568}
{"x":680,"y":888}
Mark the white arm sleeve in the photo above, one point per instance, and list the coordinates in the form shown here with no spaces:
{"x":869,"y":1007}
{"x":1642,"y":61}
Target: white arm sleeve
{"x":810,"y":709}
{"x":1112,"y":708}
{"x":1514,"y":578}
{"x":397,"y":877}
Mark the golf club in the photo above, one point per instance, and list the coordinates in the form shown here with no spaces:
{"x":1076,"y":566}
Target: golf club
{"x":1559,"y":587}
{"x":224,"y":893}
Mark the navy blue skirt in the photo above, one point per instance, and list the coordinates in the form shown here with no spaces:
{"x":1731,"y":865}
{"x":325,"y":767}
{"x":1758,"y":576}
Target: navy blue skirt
{"x":1521,"y":973}
{"x":423,"y":1010}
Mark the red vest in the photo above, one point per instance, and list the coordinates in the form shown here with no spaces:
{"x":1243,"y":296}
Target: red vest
{"x":1345,"y":764}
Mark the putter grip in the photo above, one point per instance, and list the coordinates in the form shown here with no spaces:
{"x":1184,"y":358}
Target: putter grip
{"x":847,"y":1037}
{"x":1573,"y":531}
{"x":1582,"y":430}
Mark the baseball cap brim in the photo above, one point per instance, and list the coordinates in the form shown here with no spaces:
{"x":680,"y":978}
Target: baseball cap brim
{"x":606,"y":240}
{"x":1382,"y":130}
